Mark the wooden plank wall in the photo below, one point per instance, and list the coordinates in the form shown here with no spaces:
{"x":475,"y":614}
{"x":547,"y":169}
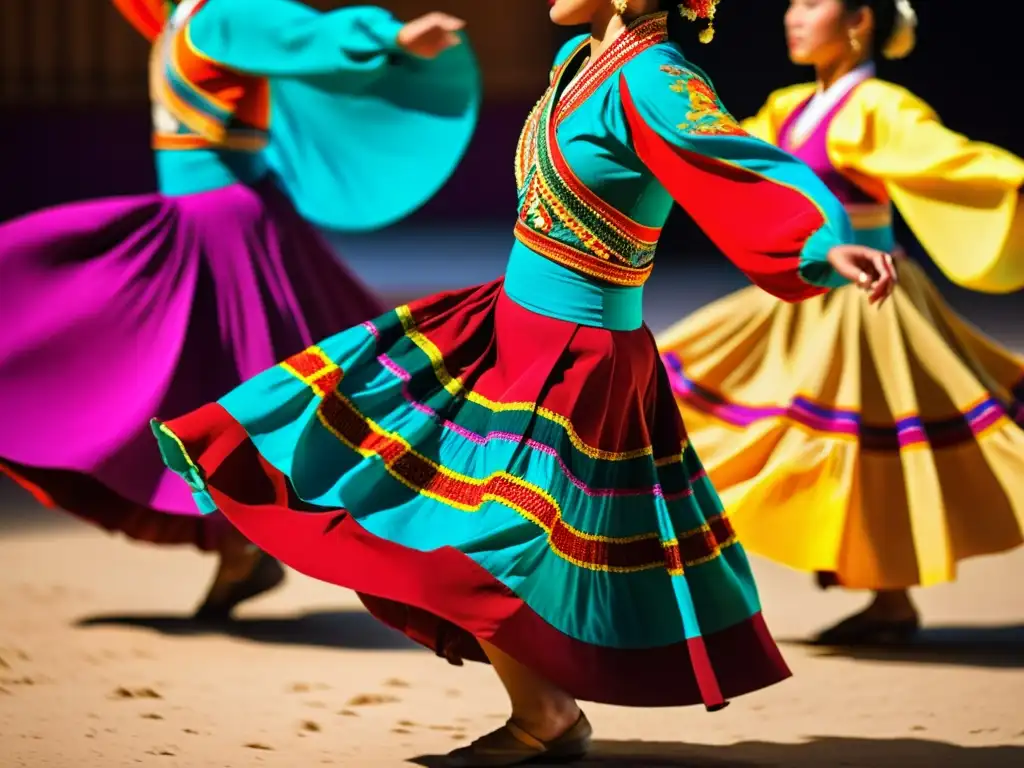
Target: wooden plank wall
{"x":81,"y":52}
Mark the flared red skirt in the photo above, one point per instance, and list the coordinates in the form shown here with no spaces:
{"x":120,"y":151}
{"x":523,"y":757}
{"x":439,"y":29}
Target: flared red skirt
{"x":476,"y":470}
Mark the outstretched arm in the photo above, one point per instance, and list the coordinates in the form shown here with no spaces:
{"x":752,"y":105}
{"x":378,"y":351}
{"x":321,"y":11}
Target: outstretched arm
{"x":960,"y":197}
{"x":763,"y":208}
{"x":283,"y":38}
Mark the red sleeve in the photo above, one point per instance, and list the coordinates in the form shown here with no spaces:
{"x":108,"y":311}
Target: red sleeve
{"x":147,"y":16}
{"x":761,"y":225}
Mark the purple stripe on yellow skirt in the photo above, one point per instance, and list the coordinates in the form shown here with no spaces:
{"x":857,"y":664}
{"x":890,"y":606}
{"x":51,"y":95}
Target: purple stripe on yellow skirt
{"x":904,"y":432}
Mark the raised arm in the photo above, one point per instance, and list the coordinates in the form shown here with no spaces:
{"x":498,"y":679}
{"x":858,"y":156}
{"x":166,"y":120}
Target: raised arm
{"x":764,"y":209}
{"x":960,"y":197}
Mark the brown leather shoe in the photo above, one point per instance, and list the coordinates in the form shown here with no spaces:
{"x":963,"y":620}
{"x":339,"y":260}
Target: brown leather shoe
{"x":511,"y":745}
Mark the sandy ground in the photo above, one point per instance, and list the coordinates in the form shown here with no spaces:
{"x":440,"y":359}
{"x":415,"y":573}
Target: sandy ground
{"x":100,"y":667}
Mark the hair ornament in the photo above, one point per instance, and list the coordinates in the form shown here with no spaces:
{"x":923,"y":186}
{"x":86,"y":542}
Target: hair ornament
{"x":904,"y":33}
{"x":701,"y":9}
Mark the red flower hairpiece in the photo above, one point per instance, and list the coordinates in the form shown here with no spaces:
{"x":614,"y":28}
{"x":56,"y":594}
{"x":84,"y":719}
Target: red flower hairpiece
{"x":701,"y":9}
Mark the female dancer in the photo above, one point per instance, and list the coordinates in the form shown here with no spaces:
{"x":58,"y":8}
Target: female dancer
{"x":501,"y":472}
{"x":876,"y":448}
{"x":267,"y":116}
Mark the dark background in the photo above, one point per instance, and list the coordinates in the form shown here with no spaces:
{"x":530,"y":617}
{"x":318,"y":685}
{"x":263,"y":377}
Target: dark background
{"x":76,"y":123}
{"x":56,"y":145}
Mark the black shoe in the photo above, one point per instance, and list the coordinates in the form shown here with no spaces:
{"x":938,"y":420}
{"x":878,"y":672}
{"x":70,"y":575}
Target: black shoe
{"x":863,"y":629}
{"x":265,"y":576}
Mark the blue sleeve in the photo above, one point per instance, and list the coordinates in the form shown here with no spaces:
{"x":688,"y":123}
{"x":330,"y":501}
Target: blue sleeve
{"x":282,"y":38}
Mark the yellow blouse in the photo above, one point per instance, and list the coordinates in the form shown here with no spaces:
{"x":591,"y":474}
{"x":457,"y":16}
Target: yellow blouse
{"x":959,"y":197}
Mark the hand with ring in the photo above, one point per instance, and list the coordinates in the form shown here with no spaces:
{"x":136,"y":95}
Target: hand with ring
{"x":871,"y":270}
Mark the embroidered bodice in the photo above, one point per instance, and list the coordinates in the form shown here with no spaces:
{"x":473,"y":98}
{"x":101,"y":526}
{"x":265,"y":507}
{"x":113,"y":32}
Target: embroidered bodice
{"x":562,"y":206}
{"x":607,"y":150}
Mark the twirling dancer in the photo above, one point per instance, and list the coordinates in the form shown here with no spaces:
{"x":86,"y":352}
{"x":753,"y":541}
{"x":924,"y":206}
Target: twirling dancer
{"x":269,"y":119}
{"x":877,"y":448}
{"x":501,"y":472}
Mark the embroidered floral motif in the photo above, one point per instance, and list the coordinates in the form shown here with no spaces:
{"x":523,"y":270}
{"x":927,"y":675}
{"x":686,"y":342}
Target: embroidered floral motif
{"x":707,"y":115}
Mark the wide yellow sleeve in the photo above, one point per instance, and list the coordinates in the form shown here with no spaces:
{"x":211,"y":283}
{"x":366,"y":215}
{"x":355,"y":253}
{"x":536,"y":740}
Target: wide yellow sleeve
{"x":959,"y":197}
{"x":768,"y":121}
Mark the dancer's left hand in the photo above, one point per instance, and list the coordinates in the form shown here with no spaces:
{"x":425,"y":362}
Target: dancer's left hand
{"x":870,"y":270}
{"x":431,"y":34}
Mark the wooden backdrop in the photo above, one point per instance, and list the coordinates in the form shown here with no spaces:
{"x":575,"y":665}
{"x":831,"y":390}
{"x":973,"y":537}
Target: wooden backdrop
{"x":81,"y":52}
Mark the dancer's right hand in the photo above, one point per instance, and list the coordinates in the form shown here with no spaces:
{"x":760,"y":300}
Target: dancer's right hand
{"x":431,"y":34}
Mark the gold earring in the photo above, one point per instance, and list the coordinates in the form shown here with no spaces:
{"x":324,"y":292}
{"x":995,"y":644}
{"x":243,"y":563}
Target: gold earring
{"x":854,"y":42}
{"x":620,"y":6}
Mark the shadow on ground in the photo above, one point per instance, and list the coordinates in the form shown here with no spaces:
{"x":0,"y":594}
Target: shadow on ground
{"x":983,"y":647}
{"x":352,"y":629}
{"x":818,"y":752}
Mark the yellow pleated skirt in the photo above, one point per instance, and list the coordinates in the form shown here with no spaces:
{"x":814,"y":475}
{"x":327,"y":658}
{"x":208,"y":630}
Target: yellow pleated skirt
{"x":877,"y":446}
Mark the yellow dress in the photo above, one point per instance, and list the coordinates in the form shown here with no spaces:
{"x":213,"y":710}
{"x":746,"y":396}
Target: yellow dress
{"x":875,"y":446}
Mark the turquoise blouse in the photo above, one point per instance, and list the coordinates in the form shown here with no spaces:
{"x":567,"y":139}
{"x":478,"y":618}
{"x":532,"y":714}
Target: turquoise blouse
{"x":608,"y":150}
{"x":356,"y":131}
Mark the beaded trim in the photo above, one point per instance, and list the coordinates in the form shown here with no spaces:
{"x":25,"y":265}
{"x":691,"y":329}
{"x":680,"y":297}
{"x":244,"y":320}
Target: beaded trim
{"x":526,"y":148}
{"x":641,"y":34}
{"x":580,"y":261}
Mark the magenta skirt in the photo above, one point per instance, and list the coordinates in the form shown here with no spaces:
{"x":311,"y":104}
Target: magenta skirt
{"x":117,"y":311}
